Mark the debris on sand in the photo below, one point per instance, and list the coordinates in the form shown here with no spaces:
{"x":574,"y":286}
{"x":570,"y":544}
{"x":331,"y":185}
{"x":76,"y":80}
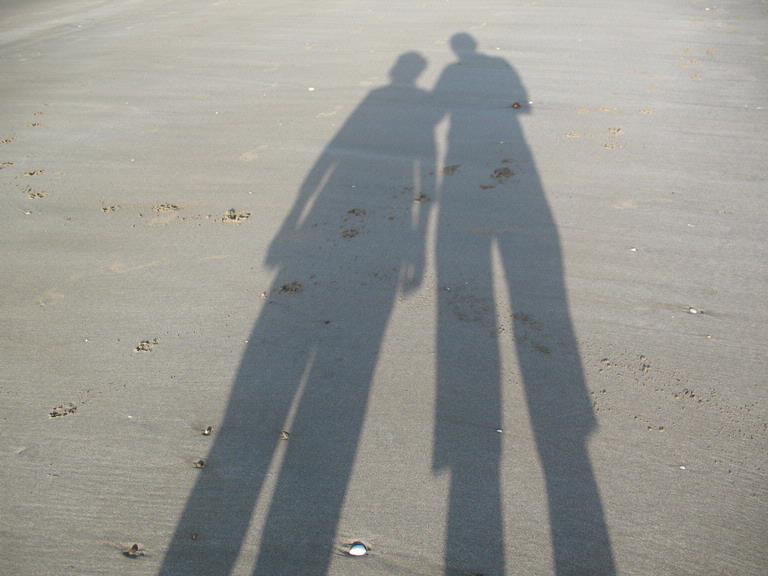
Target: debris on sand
{"x":207,"y":431}
{"x":35,"y":194}
{"x":146,"y":345}
{"x":134,"y":551}
{"x":110,"y":209}
{"x":160,"y":208}
{"x":613,"y":142}
{"x":63,"y":410}
{"x":291,"y":288}
{"x":284,"y":435}
{"x":199,"y":463}
{"x":235,"y":216}
{"x":358,"y":549}
{"x":502,"y":174}
{"x":451,"y":170}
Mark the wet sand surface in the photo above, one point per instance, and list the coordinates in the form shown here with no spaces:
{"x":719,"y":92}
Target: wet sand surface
{"x":278,"y":277}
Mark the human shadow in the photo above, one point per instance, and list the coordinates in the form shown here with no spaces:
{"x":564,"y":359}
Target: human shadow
{"x":347,"y":248}
{"x":491,"y":201}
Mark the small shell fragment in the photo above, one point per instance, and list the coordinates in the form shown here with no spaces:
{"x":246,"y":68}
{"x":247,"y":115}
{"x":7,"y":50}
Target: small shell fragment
{"x":134,"y":551}
{"x":358,"y":549}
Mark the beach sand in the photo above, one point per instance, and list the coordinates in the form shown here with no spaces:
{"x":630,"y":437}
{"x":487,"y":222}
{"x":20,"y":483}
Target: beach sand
{"x":483,"y":330}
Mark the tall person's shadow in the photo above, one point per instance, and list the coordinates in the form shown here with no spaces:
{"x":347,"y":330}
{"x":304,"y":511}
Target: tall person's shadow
{"x":491,"y":200}
{"x":353,"y":240}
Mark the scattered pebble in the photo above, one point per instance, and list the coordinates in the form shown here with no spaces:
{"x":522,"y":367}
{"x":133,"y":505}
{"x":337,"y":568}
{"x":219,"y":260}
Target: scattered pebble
{"x":502,"y":174}
{"x":516,"y":105}
{"x":207,"y":430}
{"x":451,"y":170}
{"x":236,"y":216}
{"x":146,"y":345}
{"x":291,"y":288}
{"x":166,"y":208}
{"x":63,"y":410}
{"x":200,"y":463}
{"x":134,"y":551}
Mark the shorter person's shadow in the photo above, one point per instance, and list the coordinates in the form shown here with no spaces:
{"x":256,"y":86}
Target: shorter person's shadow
{"x":346,"y":249}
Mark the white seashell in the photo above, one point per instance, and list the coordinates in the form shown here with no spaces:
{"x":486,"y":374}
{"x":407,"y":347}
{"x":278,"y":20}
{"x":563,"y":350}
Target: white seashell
{"x":358,"y":549}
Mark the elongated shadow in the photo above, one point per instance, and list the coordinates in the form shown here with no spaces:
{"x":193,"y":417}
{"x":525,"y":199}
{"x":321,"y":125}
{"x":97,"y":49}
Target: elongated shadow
{"x":492,"y":196}
{"x":346,"y":249}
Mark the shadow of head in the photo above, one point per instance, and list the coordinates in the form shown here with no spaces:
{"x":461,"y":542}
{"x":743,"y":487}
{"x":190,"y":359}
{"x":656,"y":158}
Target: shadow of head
{"x":407,"y":68}
{"x":463,"y":45}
